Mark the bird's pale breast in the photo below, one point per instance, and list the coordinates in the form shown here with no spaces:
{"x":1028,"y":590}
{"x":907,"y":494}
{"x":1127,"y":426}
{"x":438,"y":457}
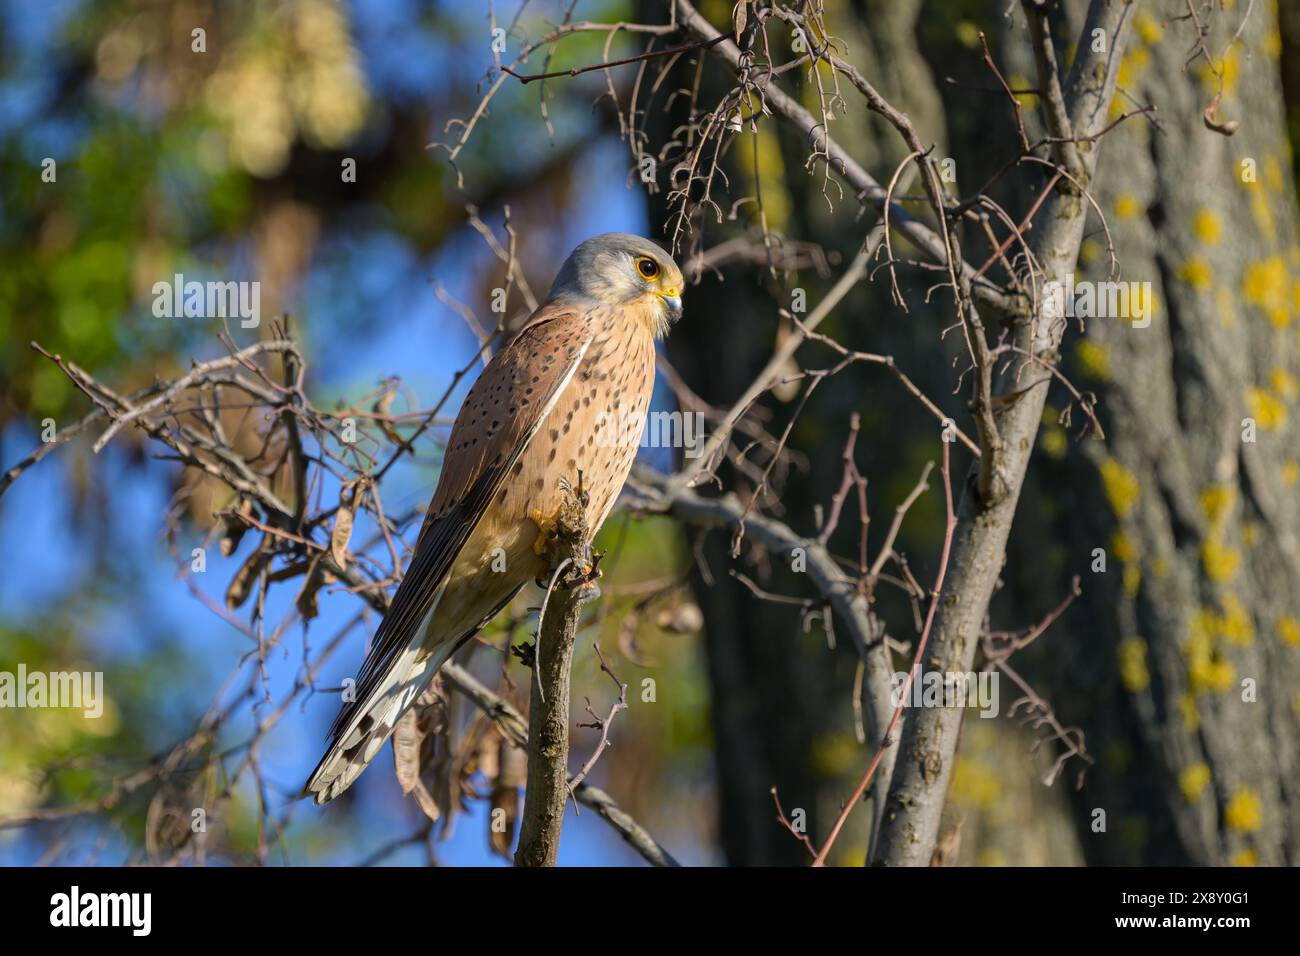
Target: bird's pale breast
{"x":594,"y":428}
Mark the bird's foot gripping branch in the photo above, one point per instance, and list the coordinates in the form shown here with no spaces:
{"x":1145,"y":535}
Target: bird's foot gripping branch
{"x":564,"y":544}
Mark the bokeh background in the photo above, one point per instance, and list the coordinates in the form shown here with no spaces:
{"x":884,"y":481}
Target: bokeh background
{"x":226,"y":165}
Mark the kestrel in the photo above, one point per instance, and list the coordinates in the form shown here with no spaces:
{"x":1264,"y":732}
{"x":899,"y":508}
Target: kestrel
{"x":568,"y":394}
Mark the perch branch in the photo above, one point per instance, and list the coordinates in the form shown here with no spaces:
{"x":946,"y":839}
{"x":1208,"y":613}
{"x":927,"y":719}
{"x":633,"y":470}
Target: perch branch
{"x":568,"y":550}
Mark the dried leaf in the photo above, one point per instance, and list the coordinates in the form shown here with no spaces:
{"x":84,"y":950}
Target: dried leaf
{"x":739,"y":15}
{"x":384,"y":407}
{"x":486,"y":756}
{"x":168,"y":825}
{"x":306,"y":600}
{"x":685,"y":618}
{"x":1210,"y":117}
{"x":342,"y":532}
{"x":422,"y":755}
{"x":241,"y":585}
{"x":627,"y":643}
{"x":406,"y":752}
{"x":512,"y":774}
{"x":234,"y":527}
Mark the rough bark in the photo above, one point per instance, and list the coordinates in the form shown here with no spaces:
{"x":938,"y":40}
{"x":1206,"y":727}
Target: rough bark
{"x":1198,"y":526}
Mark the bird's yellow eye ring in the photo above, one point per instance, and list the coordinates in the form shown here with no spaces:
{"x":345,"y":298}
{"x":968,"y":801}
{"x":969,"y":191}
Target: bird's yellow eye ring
{"x":647,"y":267}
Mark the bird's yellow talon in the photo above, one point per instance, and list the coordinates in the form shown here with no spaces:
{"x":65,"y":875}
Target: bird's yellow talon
{"x":546,"y":531}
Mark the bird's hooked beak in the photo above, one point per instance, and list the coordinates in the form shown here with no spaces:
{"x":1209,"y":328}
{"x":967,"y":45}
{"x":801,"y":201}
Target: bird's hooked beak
{"x":673,"y":301}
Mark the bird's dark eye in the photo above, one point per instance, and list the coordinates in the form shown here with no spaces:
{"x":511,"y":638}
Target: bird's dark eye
{"x":647,"y":267}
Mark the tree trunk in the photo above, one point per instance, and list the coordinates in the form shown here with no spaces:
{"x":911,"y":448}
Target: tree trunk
{"x":1186,"y":649}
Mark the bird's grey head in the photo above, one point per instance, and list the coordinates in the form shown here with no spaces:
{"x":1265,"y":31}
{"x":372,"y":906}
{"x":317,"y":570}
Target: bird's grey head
{"x":617,"y":268}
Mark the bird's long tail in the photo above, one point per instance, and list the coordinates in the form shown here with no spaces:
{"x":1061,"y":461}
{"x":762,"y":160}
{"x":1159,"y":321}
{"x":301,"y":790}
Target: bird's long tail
{"x":363,"y":730}
{"x":361,"y":738}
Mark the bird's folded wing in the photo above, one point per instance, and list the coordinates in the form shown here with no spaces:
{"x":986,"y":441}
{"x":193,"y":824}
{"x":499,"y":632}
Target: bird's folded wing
{"x":501,"y":413}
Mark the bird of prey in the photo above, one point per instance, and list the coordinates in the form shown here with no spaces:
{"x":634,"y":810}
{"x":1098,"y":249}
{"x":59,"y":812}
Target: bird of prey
{"x":569,"y":393}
